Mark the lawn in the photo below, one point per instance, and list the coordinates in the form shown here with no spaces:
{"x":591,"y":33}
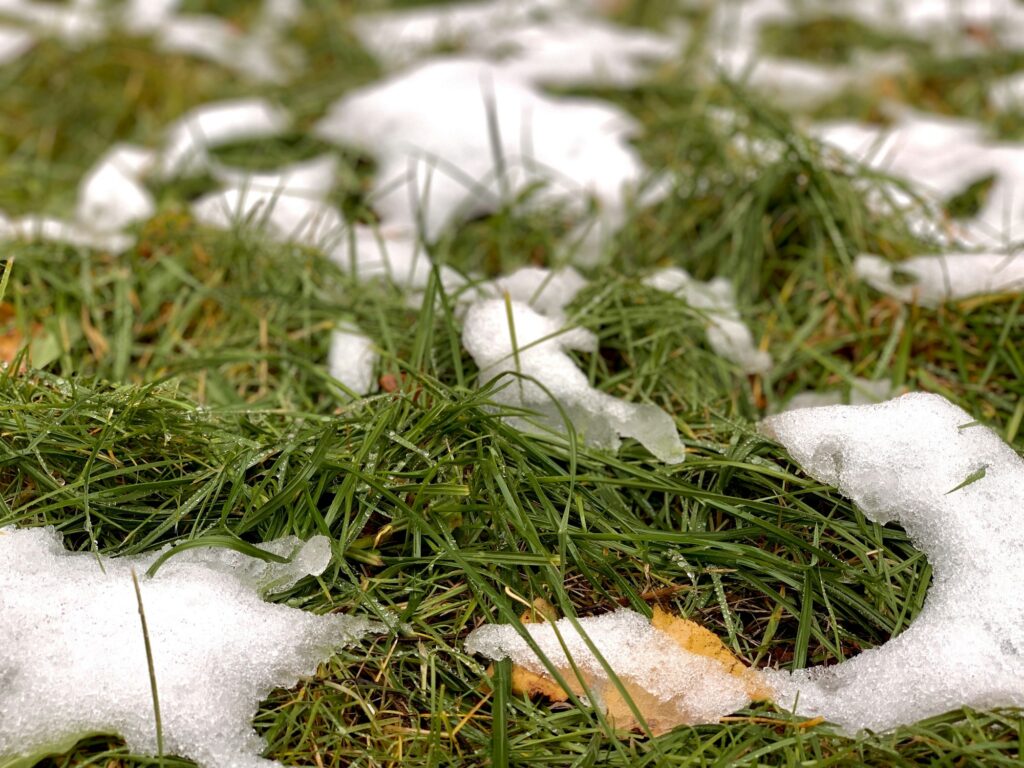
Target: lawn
{"x":179,"y":391}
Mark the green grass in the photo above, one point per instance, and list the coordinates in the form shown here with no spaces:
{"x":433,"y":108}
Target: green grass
{"x":181,"y":393}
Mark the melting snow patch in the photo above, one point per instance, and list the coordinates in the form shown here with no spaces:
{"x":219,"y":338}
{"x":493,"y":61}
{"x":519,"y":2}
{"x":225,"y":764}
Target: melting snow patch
{"x":932,"y":280}
{"x":73,"y":662}
{"x":540,"y":352}
{"x":642,"y":657}
{"x":14,"y":43}
{"x":860,"y":392}
{"x":215,"y":124}
{"x":289,"y":204}
{"x":941,"y":157}
{"x":727,"y":334}
{"x":546,"y":291}
{"x":458,"y":137}
{"x":393,"y":255}
{"x":956,"y":488}
{"x":48,"y":229}
{"x":563,"y":46}
{"x":353,"y":359}
{"x":112,"y":196}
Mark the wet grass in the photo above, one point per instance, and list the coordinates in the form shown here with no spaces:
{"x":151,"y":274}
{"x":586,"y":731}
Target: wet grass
{"x":179,"y":391}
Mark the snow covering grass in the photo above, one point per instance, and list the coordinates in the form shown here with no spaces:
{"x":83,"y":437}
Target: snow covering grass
{"x":180,"y":390}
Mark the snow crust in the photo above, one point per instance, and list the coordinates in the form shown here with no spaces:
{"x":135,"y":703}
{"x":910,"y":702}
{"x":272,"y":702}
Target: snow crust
{"x":698,"y":687}
{"x":457,"y":137}
{"x":73,"y":661}
{"x":545,"y":371}
{"x":932,"y":280}
{"x":956,"y":488}
{"x":727,"y":334}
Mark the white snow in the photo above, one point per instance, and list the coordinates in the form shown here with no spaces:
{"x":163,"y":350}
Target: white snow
{"x":353,"y":359}
{"x":932,"y":280}
{"x":546,"y":291}
{"x":289,"y":204}
{"x":541,"y":42}
{"x":1007,"y":95}
{"x":727,"y":334}
{"x":956,"y":488}
{"x":430,"y":131}
{"x":697,"y":687}
{"x":74,"y":22}
{"x":112,"y":196}
{"x":941,"y":157}
{"x":73,"y":662}
{"x":860,"y":392}
{"x":540,"y":352}
{"x":53,"y":230}
{"x":214,"y":124}
{"x":392,"y":254}
{"x":259,"y":55}
{"x":14,"y":43}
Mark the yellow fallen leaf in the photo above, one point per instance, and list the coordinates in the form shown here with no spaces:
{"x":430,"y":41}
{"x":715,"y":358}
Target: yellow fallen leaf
{"x":660,"y":716}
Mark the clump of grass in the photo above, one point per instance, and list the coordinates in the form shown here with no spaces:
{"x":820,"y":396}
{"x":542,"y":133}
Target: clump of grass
{"x":185,"y":396}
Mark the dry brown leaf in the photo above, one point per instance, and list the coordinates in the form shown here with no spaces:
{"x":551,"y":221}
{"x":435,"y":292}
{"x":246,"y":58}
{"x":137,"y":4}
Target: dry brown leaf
{"x":659,"y":716}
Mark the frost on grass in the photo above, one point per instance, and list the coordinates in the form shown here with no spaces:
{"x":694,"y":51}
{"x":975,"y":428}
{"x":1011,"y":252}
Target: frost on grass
{"x":73,"y":661}
{"x":674,"y":674}
{"x":534,"y":349}
{"x":459,"y":137}
{"x":353,"y":359}
{"x":957,"y":490}
{"x":727,"y":334}
{"x":932,"y":280}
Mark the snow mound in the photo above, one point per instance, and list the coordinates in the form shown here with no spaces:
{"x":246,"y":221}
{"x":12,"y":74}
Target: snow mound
{"x":932,"y":280}
{"x":457,"y":137}
{"x":540,"y":353}
{"x":956,"y":488}
{"x":641,"y":656}
{"x":727,"y":334}
{"x":73,"y":661}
